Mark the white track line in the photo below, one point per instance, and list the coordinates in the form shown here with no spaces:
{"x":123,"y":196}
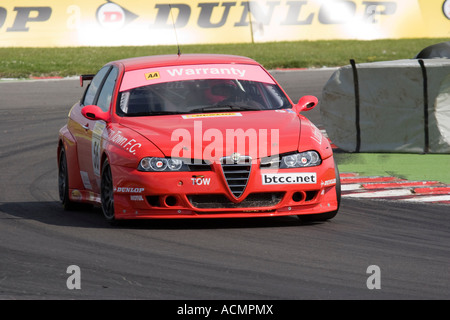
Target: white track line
{"x":429,"y":198}
{"x":380,"y":194}
{"x":350,"y":186}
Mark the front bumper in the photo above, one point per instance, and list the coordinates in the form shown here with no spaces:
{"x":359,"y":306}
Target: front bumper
{"x":206,"y":194}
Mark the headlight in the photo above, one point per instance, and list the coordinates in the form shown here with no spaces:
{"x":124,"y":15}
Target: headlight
{"x":298,"y":160}
{"x":161,"y":164}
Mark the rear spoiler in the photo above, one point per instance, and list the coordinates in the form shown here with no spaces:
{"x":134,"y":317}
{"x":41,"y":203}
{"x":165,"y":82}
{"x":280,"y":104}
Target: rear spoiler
{"x":85,"y":77}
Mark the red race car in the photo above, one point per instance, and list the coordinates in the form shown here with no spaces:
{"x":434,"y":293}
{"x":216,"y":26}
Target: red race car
{"x":194,"y":136}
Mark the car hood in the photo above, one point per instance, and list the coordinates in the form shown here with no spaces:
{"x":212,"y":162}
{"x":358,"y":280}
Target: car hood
{"x":213,"y":135}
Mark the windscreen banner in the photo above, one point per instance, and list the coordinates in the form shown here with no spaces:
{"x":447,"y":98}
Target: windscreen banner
{"x":69,"y":23}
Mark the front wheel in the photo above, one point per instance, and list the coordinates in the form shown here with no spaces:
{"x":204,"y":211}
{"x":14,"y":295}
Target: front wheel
{"x":107,"y":193}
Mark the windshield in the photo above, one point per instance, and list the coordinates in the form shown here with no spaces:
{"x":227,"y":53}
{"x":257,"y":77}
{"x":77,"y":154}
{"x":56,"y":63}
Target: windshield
{"x":198,"y":96}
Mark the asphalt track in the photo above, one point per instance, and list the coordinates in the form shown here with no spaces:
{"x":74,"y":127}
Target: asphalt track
{"x":279,"y":258}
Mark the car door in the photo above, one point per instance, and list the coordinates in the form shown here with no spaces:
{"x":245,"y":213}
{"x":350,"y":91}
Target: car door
{"x":89,"y":135}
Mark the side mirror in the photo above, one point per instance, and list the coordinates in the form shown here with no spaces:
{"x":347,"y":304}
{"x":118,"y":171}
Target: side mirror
{"x":305,"y":103}
{"x":93,"y":112}
{"x":85,"y":77}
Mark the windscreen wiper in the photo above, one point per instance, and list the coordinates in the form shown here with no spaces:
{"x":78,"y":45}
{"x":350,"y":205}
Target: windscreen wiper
{"x":224,"y":107}
{"x":156,"y":113}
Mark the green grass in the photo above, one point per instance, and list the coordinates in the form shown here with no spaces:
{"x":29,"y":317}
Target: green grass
{"x":421,"y":167}
{"x":28,"y":62}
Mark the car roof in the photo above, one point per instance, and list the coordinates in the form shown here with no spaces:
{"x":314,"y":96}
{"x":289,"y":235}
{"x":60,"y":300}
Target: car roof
{"x":183,"y":59}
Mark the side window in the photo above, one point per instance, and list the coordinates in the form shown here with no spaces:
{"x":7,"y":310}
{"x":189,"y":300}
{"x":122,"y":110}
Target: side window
{"x":95,"y":84}
{"x":104,"y":99}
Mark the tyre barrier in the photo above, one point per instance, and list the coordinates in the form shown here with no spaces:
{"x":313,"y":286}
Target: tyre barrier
{"x":400,"y":106}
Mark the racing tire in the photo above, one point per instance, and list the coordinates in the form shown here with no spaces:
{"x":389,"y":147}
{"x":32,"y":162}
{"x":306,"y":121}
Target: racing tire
{"x":107,"y":193}
{"x":326,"y":215}
{"x":63,"y":181}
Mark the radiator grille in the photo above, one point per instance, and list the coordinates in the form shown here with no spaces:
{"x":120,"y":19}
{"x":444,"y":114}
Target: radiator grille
{"x":218,"y":201}
{"x":236,"y":170}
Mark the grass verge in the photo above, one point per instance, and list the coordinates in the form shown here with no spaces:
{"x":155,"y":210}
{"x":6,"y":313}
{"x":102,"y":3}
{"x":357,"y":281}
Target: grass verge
{"x":421,"y":167}
{"x":63,"y":62}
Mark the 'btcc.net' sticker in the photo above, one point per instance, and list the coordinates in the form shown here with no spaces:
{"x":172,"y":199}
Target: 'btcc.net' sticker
{"x":289,"y":178}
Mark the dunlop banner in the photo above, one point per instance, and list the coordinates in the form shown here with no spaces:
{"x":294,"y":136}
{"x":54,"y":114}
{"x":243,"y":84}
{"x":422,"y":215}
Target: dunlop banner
{"x":46,"y":23}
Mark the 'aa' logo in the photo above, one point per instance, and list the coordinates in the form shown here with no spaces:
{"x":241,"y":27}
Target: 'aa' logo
{"x":152,"y":75}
